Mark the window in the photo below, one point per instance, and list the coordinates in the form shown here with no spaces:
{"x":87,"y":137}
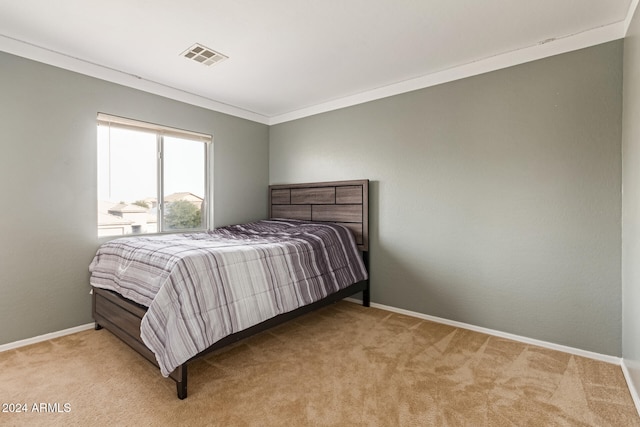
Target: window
{"x":151,"y":178}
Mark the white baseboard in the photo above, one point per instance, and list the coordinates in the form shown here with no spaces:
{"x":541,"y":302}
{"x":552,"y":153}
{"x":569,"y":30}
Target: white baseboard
{"x":566,"y":349}
{"x":632,"y":387}
{"x":45,"y":337}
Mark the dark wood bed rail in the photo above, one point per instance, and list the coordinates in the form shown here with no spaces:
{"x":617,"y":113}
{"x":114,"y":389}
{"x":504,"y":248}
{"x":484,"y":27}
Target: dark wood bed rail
{"x":343,"y":202}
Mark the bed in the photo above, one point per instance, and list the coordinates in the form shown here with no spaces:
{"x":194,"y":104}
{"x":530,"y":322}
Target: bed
{"x":174,"y":298}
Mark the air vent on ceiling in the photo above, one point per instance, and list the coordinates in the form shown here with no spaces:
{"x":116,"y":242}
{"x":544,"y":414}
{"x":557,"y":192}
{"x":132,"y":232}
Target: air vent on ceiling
{"x":203,"y":55}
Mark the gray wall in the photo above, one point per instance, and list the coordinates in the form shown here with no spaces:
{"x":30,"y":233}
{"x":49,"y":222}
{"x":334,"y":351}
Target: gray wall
{"x":495,"y":199}
{"x":48,"y":184}
{"x":631,"y":203}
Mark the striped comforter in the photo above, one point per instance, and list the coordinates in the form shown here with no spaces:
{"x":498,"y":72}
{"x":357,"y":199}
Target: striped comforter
{"x":201,"y":287}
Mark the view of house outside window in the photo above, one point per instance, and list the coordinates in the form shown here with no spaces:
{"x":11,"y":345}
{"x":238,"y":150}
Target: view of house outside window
{"x":149,"y":182}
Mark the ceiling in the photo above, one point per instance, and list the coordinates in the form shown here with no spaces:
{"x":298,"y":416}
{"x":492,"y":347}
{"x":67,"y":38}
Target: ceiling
{"x":292,"y":58}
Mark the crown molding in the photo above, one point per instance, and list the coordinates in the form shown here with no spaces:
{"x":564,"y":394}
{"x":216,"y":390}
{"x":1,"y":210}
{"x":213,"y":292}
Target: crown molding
{"x":541,"y":50}
{"x":71,"y":63}
{"x":632,"y":9}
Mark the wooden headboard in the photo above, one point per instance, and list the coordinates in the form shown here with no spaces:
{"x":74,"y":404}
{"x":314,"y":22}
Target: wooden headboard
{"x":342,"y":202}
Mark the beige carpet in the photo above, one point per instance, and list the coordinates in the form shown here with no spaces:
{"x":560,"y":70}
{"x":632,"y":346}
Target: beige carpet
{"x":344,"y":365}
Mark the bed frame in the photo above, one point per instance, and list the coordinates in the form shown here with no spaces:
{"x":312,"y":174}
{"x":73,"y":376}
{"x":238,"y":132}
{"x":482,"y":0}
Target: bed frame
{"x":343,"y":202}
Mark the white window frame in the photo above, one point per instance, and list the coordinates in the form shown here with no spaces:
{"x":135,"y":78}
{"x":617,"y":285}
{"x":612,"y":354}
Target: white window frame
{"x":161,"y":131}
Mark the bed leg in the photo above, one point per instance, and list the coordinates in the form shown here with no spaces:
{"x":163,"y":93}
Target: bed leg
{"x":366,"y":298}
{"x":97,"y":326}
{"x":181,"y":386}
